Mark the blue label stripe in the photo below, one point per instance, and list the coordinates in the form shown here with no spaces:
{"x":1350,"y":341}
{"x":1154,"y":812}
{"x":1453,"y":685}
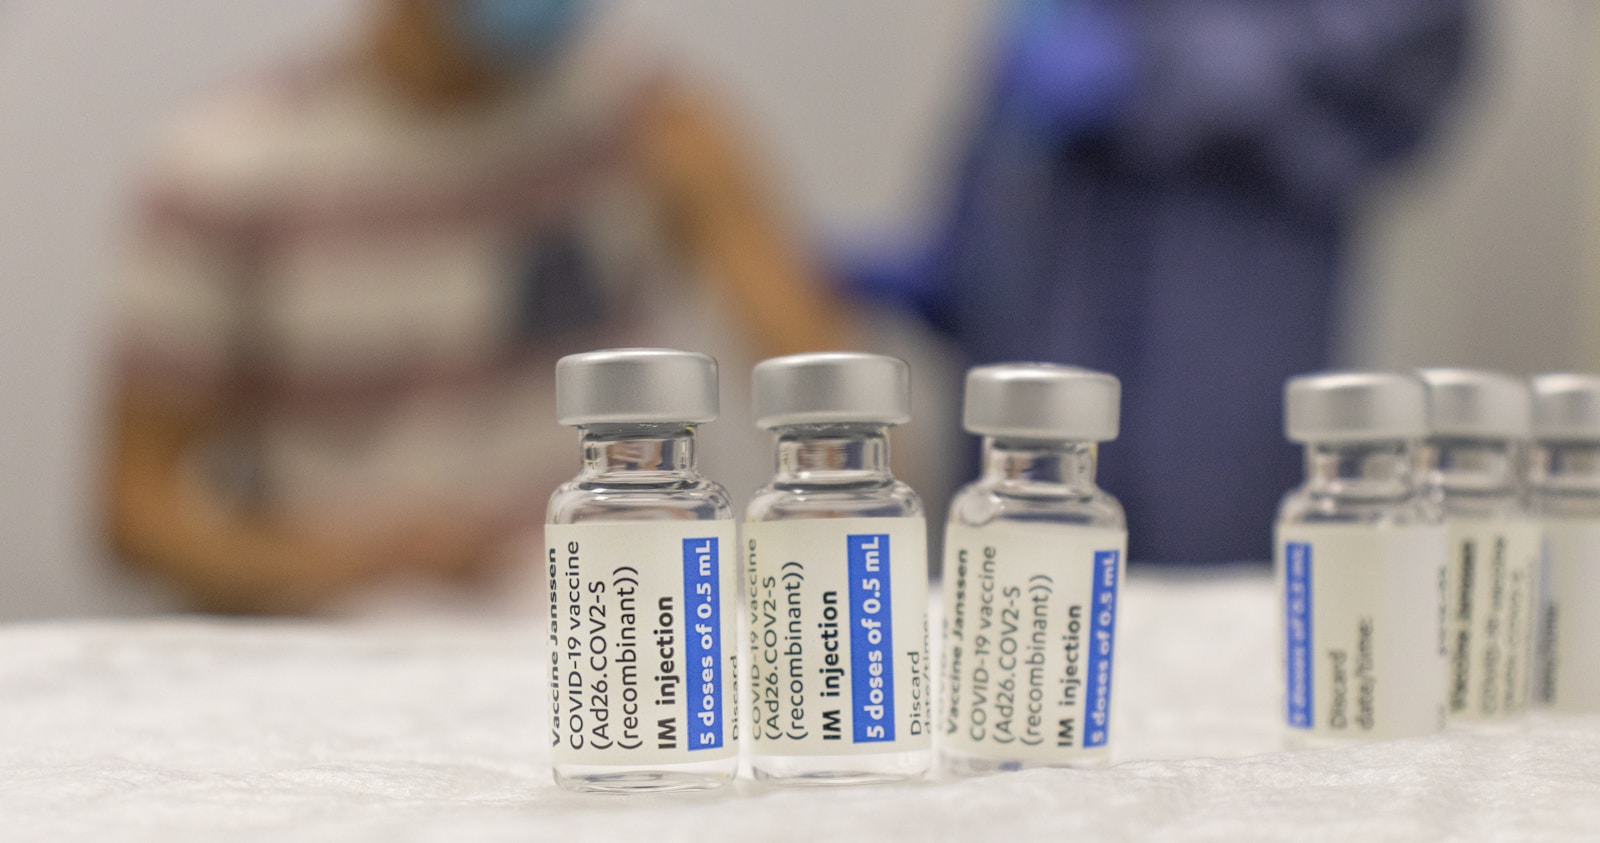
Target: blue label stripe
{"x":702,"y":621}
{"x":1296,"y":592}
{"x":1297,"y":600}
{"x":871,"y":639}
{"x":1102,"y":646}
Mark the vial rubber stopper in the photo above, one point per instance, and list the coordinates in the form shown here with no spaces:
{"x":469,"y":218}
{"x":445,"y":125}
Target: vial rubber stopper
{"x":1042,"y":401}
{"x":831,"y":387}
{"x":1354,"y":407}
{"x":1566,"y":406}
{"x":636,"y":386}
{"x":1476,"y":403}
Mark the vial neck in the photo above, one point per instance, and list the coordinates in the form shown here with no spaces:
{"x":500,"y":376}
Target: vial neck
{"x":1566,"y":467}
{"x":1037,"y":466}
{"x":638,"y":452}
{"x":1465,"y":465}
{"x":1361,"y":469}
{"x":832,"y":454}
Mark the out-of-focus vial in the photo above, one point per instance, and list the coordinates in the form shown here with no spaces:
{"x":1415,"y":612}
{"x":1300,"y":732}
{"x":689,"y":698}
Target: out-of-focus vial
{"x":837,"y":567}
{"x":1360,"y":558}
{"x":1478,"y":423}
{"x":643,"y":647}
{"x":1564,"y":480}
{"x":1034,"y":560}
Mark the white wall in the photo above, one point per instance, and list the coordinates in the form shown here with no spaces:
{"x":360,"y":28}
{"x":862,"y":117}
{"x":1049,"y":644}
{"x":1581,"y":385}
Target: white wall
{"x":1589,"y":329}
{"x":83,"y":84}
{"x":1482,"y":256}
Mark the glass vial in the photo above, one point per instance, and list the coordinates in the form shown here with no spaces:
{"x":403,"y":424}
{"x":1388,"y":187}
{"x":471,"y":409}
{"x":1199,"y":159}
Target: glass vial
{"x":1034,"y":560}
{"x":837,"y":568}
{"x":643,"y":647}
{"x":1360,"y":559}
{"x":1564,"y":481}
{"x":1477,"y":423}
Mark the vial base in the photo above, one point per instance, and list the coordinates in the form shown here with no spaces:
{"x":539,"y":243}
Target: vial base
{"x":1499,"y":724}
{"x":1301,"y":739}
{"x":826,"y":770}
{"x":1296,"y":739}
{"x":665,"y":778}
{"x":1479,"y":720}
{"x":963,"y":764}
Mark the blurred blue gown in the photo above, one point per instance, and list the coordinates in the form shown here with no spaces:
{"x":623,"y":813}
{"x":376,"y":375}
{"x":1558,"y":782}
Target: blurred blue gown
{"x":1161,"y":189}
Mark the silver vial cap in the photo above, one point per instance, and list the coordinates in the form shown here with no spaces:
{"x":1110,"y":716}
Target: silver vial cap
{"x":636,"y":385}
{"x":1042,"y":401}
{"x":1566,"y":406}
{"x":1354,"y":407}
{"x":831,"y":387}
{"x":1471,"y":402}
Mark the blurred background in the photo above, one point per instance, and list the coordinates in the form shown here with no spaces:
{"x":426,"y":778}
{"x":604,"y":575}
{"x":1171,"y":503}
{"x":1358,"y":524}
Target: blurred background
{"x":1477,"y":250}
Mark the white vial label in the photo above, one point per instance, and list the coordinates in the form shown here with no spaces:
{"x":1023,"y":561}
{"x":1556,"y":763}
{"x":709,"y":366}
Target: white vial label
{"x":642,"y":648}
{"x":1030,"y":624}
{"x":1489,"y":619}
{"x":839,"y":636}
{"x":1572,"y":623}
{"x":1364,"y":612}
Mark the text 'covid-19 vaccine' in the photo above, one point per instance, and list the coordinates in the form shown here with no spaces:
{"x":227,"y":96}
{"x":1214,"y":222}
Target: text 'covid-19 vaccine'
{"x":1033,"y":566}
{"x":641,"y":551}
{"x":1478,"y":423}
{"x":837,"y":579}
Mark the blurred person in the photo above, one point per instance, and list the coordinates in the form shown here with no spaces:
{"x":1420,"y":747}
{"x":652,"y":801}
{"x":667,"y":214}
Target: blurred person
{"x":351,"y":279}
{"x":1161,"y":189}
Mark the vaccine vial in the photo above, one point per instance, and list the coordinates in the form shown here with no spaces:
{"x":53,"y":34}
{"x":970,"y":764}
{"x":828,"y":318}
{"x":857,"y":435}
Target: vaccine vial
{"x":1360,"y":561}
{"x":1033,"y":562}
{"x":1564,"y":480}
{"x":1478,"y":422}
{"x":837,"y":579}
{"x":643,"y":653}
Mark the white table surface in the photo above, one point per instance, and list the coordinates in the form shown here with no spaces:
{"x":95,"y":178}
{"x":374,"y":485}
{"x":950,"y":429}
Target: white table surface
{"x":197,"y":729}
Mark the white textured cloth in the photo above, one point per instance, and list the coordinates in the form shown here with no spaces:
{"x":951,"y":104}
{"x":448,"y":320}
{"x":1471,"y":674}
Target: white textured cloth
{"x":213,"y":730}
